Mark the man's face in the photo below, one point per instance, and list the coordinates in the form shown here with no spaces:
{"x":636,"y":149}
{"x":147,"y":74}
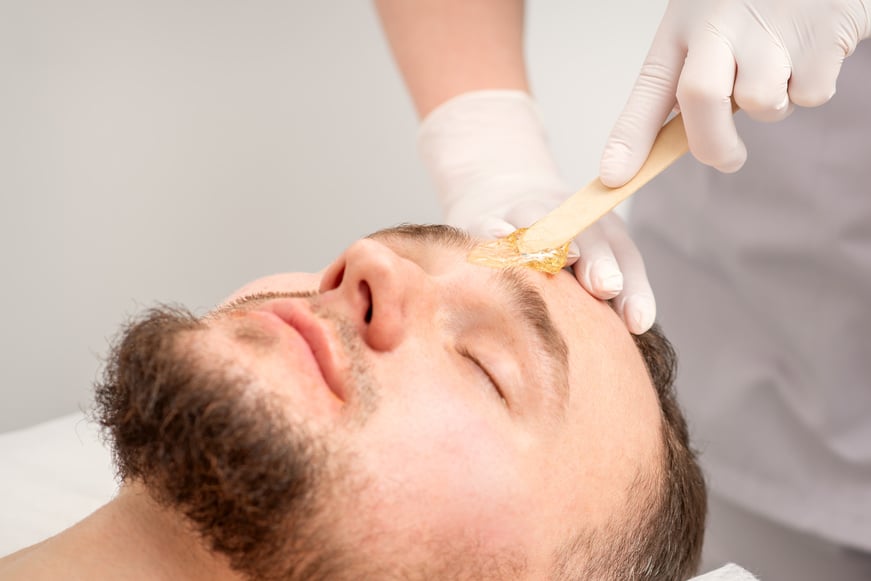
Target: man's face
{"x":500,"y":410}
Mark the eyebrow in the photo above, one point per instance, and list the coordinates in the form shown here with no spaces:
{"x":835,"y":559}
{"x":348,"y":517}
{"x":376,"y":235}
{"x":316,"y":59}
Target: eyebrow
{"x":440,"y":234}
{"x":526,"y":300}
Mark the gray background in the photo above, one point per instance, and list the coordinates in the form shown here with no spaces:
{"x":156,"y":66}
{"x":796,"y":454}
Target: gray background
{"x":173,"y":150}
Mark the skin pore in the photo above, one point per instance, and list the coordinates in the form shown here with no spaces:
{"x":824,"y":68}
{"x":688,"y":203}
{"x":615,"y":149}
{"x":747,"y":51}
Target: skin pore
{"x":459,"y":417}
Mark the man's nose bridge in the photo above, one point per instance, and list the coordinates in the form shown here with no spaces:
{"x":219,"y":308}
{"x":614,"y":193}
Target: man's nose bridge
{"x":394,"y":287}
{"x":399,"y":280}
{"x":385,"y":290}
{"x":373,"y":263}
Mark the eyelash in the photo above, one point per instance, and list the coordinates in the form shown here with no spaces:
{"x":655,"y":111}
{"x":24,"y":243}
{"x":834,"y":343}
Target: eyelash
{"x":471,"y":357}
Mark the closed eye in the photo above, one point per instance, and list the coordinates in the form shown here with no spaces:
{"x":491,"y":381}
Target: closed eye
{"x":495,"y":384}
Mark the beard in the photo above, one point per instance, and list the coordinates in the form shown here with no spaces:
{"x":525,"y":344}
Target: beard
{"x":257,"y":487}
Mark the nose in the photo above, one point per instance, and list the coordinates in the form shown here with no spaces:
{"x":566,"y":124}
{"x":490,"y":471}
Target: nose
{"x":376,"y":289}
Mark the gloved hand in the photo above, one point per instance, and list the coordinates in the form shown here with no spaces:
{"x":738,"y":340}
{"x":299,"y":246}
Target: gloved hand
{"x":488,"y":155}
{"x":768,"y":54}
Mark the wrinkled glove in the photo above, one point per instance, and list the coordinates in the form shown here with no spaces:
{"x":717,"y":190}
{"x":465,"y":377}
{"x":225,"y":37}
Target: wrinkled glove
{"x":768,"y":54}
{"x":488,"y":155}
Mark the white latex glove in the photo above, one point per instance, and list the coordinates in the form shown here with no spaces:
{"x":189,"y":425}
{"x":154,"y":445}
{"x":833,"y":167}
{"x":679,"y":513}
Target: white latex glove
{"x":768,"y":54}
{"x":488,"y":155}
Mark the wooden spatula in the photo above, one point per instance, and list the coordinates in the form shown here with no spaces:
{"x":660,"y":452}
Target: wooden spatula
{"x":544,"y":245}
{"x":595,"y":199}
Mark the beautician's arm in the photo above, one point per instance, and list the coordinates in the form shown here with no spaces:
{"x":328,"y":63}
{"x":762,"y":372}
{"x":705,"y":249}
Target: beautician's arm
{"x":483,"y":142}
{"x":448,"y":47}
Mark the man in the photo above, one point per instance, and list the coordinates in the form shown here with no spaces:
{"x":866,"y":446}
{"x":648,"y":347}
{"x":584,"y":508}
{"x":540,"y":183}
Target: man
{"x":402,"y":415}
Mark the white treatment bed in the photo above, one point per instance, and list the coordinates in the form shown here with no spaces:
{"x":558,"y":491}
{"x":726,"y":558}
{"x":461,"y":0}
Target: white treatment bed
{"x":53,"y":475}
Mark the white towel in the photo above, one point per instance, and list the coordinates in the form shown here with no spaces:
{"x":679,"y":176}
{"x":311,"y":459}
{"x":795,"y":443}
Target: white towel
{"x":730,"y":572}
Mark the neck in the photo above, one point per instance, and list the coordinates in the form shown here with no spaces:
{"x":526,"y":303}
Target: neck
{"x":131,"y":537}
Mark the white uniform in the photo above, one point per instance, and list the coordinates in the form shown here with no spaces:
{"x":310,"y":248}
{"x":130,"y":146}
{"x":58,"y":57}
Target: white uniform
{"x":763,"y":283}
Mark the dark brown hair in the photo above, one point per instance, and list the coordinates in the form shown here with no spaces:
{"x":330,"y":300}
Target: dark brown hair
{"x":661,"y":539}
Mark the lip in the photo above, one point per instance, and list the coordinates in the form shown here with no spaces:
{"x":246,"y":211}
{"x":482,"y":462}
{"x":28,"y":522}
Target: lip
{"x":316,"y":334}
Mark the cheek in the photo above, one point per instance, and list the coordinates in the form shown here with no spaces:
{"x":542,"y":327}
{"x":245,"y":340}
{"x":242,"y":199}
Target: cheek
{"x":445,"y":465}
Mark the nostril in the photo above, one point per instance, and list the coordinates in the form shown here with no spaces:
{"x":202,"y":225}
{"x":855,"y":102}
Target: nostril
{"x":367,"y":297}
{"x":333,"y":277}
{"x":338,"y":279}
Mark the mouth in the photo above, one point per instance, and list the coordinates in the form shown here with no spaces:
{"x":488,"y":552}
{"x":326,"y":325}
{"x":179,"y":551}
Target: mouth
{"x":316,"y":334}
